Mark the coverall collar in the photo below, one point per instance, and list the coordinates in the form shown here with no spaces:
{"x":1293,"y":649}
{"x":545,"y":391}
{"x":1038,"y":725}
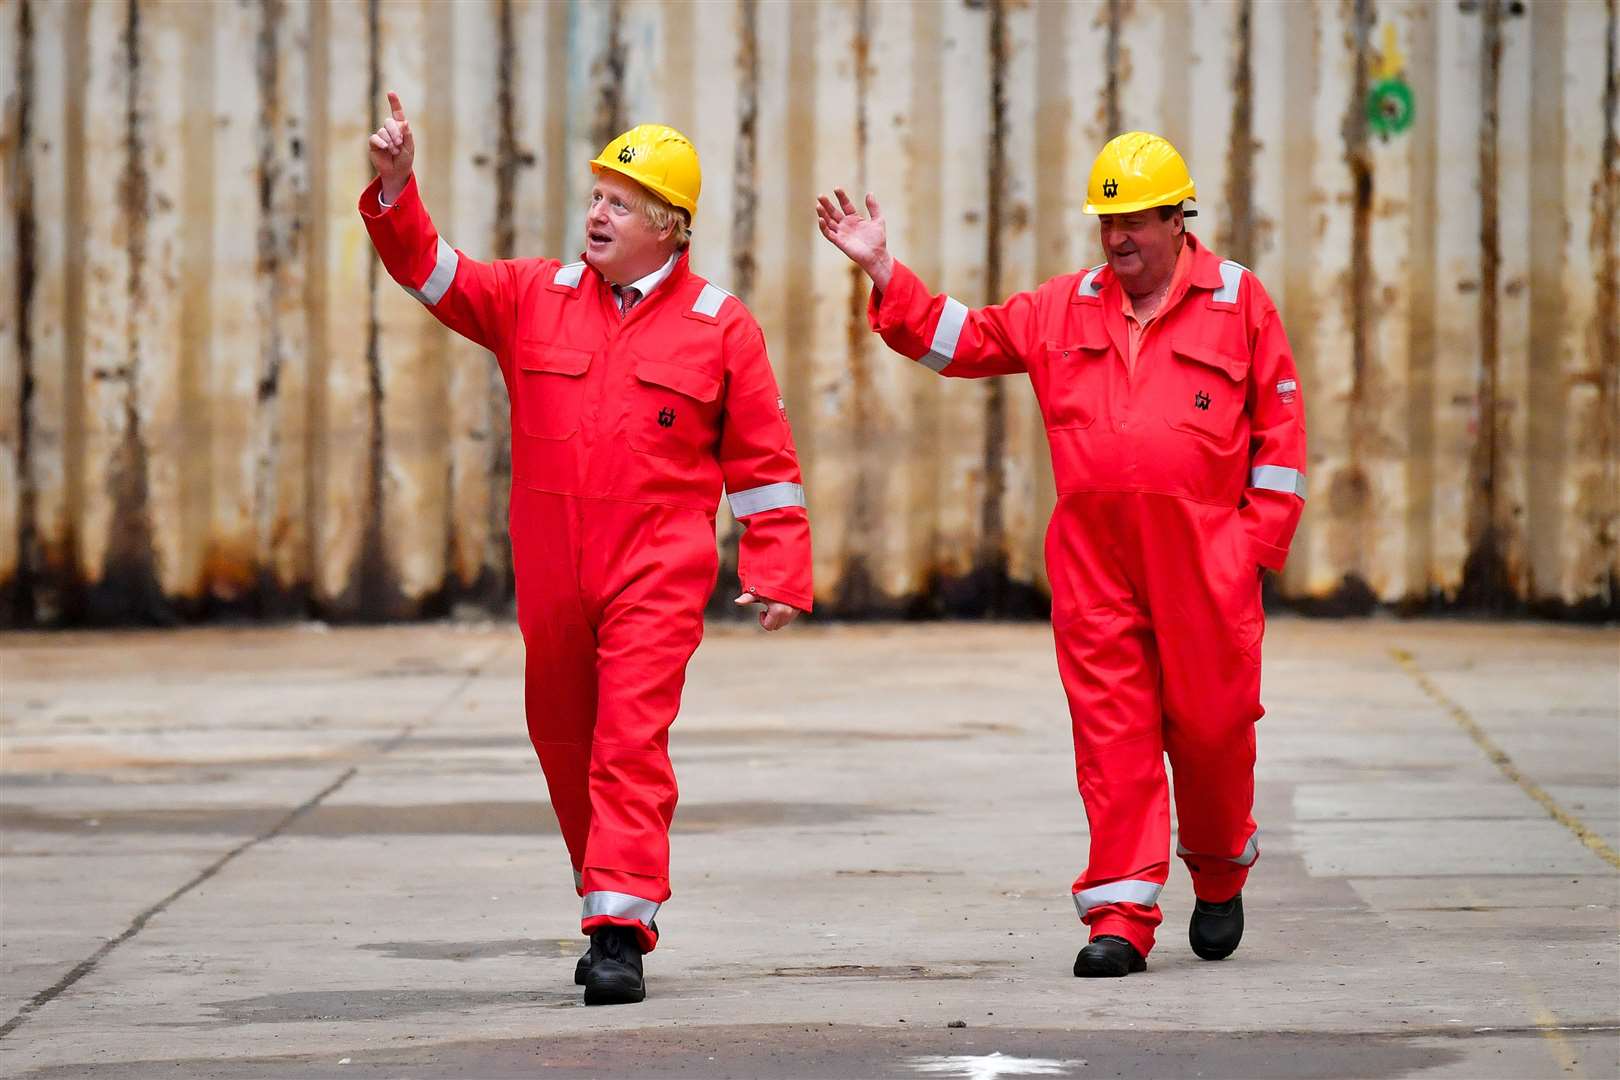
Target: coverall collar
{"x":1205,"y":273}
{"x":672,"y":272}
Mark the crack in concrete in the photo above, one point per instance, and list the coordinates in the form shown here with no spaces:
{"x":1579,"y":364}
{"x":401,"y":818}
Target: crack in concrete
{"x":90,"y":963}
{"x":1500,"y":759}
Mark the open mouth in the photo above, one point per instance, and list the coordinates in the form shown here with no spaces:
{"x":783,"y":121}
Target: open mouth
{"x":599,"y":237}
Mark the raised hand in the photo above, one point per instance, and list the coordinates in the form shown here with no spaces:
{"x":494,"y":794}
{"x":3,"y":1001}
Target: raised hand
{"x":864,"y":240}
{"x":393,"y":150}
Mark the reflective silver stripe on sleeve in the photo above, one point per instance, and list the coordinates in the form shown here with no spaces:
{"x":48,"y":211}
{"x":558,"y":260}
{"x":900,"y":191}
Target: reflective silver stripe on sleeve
{"x":1231,"y":278}
{"x":1278,"y":478}
{"x":766,"y":497}
{"x":438,"y":282}
{"x":1145,"y":893}
{"x":1246,"y":857}
{"x":1088,"y":284}
{"x":619,"y":905}
{"x":947,"y":332}
{"x":709,"y":300}
{"x":569,"y":274}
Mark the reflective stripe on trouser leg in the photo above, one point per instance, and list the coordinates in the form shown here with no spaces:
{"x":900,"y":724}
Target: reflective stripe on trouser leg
{"x":615,"y":905}
{"x":1145,"y":893}
{"x":1246,"y":857}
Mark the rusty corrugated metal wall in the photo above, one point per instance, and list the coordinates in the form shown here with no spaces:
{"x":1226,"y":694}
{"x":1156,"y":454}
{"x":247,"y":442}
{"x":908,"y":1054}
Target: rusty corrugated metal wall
{"x":211,"y":400}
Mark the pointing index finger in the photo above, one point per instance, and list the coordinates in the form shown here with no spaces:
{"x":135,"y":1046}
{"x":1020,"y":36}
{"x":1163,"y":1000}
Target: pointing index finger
{"x":393,"y":103}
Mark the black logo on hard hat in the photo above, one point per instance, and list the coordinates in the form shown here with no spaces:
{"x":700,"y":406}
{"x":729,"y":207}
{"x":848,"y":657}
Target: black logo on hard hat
{"x":627,"y":153}
{"x":666,"y":417}
{"x":1110,"y":188}
{"x":1202,"y":401}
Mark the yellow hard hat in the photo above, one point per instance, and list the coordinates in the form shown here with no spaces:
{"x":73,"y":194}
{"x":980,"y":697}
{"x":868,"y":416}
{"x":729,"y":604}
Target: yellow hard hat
{"x":660,"y":159}
{"x":1136,"y":171}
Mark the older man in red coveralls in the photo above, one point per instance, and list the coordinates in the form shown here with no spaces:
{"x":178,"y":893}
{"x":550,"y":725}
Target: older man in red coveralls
{"x":1173,"y":412}
{"x":637,"y":390}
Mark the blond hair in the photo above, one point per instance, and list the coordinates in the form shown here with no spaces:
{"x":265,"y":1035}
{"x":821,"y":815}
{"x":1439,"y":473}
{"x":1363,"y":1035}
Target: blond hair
{"x":661,"y":215}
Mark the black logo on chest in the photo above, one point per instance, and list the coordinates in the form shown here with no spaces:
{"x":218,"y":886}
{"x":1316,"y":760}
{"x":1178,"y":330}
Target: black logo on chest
{"x":666,"y":417}
{"x":1202,"y":401}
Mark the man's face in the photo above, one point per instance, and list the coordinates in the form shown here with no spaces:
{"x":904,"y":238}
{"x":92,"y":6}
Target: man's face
{"x":618,"y":241}
{"x":1141,"y":247}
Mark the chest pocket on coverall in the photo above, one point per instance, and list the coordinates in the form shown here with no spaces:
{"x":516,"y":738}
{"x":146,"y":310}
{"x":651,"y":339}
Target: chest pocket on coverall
{"x":672,"y":407}
{"x":1205,"y":394}
{"x":1077,"y":383}
{"x":550,"y":388}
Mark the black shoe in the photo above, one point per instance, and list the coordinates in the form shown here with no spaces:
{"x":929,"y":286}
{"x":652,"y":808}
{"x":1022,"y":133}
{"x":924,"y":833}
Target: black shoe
{"x":1216,"y":929}
{"x":583,"y":968}
{"x":614,"y":977}
{"x":586,"y":961}
{"x":1108,"y":957}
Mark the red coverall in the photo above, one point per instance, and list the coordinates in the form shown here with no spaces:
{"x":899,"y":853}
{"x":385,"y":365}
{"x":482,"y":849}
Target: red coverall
{"x":623,"y":431}
{"x":1176,"y":483}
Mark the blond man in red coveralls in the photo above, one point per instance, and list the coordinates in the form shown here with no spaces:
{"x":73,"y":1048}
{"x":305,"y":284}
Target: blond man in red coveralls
{"x":637,"y":390}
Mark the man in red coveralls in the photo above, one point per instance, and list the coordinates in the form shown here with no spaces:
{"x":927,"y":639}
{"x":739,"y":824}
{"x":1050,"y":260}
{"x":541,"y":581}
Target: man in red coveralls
{"x":1178,"y":446}
{"x":637,"y":389}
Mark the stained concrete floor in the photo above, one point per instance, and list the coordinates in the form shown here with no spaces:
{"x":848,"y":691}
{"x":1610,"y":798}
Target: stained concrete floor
{"x":311,"y":852}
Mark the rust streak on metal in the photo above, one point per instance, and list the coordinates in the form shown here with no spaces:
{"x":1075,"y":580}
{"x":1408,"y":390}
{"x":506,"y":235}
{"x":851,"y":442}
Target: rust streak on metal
{"x":1485,"y":578}
{"x":859,"y":590}
{"x":1351,"y":490}
{"x":608,"y":120}
{"x":318,"y":344}
{"x":1111,"y":120}
{"x":506,"y":153}
{"x":266,"y":71}
{"x":271,"y":304}
{"x":1236,"y":235}
{"x":798,"y":279}
{"x":1603,"y":240}
{"x":744,"y":169}
{"x":511,"y":155}
{"x":373,"y":593}
{"x":1546,"y":461}
{"x":127,"y":588}
{"x":1418,"y":520}
{"x":992,"y":554}
{"x":744,"y":221}
{"x":16,"y":596}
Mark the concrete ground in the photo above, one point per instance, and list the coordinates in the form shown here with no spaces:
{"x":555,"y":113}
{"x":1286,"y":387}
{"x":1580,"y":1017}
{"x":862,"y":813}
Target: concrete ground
{"x":311,"y":852}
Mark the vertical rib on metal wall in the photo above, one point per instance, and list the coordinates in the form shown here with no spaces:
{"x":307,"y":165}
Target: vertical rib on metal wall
{"x":212,"y":400}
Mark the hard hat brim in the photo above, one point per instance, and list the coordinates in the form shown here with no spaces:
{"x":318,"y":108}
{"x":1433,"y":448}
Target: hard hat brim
{"x":1186,"y":193}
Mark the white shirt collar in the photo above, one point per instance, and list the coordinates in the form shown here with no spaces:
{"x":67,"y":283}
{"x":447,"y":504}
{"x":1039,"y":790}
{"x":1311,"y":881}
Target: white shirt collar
{"x":647,"y":284}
